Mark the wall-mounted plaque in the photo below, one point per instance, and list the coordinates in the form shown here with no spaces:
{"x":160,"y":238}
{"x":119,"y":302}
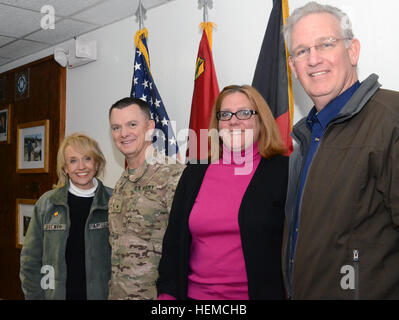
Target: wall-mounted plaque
{"x":22,"y":84}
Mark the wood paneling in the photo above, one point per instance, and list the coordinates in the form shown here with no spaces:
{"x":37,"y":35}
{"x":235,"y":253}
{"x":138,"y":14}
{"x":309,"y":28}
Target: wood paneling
{"x":46,"y":101}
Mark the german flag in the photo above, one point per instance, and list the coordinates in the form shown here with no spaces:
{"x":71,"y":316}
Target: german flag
{"x":272,"y":76}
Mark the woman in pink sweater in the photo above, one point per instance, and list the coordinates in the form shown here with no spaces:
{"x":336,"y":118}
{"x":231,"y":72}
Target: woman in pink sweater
{"x":225,"y":228}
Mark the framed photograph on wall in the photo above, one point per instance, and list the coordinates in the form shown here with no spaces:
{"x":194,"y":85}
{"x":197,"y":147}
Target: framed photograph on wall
{"x":5,"y":124}
{"x":23,"y":217}
{"x":33,"y":147}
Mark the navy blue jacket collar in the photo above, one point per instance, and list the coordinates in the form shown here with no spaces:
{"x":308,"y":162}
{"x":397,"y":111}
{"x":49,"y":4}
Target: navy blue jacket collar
{"x":332,"y":109}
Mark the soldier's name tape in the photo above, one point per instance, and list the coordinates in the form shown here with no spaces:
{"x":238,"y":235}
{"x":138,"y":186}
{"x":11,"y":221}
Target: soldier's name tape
{"x":62,"y":226}
{"x":54,"y":227}
{"x":144,"y":188}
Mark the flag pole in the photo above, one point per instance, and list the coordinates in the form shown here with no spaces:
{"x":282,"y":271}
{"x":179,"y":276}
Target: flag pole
{"x":205,"y":4}
{"x":205,"y":92}
{"x":141,"y":15}
{"x":143,"y":88}
{"x":206,"y":25}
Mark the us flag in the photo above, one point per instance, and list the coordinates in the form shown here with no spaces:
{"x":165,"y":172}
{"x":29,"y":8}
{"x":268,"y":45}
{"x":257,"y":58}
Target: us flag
{"x":143,"y":87}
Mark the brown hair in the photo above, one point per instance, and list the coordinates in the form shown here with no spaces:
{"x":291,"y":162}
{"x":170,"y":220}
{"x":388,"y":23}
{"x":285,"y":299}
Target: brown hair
{"x":83,"y":143}
{"x":269,"y":141}
{"x":127,"y":102}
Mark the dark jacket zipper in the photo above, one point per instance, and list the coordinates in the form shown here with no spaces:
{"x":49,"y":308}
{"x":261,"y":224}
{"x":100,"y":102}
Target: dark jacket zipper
{"x":356,"y":267}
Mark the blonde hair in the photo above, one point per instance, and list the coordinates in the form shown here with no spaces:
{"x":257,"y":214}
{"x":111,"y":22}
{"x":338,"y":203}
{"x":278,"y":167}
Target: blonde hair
{"x":269,"y":141}
{"x":84,"y":144}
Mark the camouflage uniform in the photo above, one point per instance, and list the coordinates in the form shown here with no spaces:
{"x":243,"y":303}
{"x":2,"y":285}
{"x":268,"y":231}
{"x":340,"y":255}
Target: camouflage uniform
{"x":138,"y":215}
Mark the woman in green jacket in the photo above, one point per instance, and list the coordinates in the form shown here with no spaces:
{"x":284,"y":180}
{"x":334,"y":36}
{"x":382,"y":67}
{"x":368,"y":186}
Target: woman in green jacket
{"x":66,"y":252}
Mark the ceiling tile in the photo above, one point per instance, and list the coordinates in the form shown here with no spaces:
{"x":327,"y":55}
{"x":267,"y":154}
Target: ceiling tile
{"x":17,"y":22}
{"x":5,"y":40}
{"x":61,"y":7}
{"x":21,"y":33}
{"x":4,"y":61}
{"x":109,"y":11}
{"x":20,"y":48}
{"x":64,"y":30}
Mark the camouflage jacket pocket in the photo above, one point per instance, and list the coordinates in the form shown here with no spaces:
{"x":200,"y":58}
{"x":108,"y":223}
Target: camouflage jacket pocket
{"x":115,"y":218}
{"x":138,"y":223}
{"x":115,"y":205}
{"x":153,"y":192}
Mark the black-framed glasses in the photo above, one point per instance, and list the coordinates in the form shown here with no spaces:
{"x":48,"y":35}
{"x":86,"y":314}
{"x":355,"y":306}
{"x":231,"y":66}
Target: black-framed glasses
{"x":240,"y":115}
{"x":321,"y":47}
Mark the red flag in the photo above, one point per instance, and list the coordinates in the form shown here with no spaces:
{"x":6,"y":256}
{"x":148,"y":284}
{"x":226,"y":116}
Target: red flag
{"x":206,"y":90}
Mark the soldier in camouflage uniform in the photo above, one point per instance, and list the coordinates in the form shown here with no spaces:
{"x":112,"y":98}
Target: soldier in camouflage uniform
{"x":140,"y":205}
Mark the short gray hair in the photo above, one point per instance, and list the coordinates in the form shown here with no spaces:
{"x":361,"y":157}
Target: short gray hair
{"x":314,"y":7}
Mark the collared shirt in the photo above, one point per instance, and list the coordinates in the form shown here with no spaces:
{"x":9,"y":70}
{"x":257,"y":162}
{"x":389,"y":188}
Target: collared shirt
{"x":317,"y":123}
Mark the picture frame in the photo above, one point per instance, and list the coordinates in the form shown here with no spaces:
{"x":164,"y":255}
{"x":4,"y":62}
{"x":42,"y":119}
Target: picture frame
{"x":5,"y":124}
{"x":33,"y":147}
{"x":24,"y":213}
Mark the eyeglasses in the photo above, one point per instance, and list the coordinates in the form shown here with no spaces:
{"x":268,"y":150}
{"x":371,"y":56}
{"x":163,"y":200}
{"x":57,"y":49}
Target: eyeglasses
{"x":240,"y":115}
{"x":322,"y":47}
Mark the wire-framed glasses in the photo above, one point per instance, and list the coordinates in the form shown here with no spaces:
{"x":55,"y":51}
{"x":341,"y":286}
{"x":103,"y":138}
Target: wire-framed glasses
{"x":323,"y":46}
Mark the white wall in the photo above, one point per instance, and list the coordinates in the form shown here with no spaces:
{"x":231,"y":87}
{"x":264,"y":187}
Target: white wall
{"x":173,"y":41}
{"x":173,"y":44}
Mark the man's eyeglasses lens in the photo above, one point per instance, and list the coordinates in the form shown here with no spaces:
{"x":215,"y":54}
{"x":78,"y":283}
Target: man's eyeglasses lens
{"x":321,"y":47}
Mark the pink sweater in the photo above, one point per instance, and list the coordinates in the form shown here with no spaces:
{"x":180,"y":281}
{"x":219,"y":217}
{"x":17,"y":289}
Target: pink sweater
{"x":217,"y":266}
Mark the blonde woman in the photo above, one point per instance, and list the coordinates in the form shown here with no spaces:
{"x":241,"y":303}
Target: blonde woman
{"x":66,"y":253}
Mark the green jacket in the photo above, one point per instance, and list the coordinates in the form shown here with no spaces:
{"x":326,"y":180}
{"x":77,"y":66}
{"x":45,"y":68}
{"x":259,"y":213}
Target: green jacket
{"x":43,"y":252}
